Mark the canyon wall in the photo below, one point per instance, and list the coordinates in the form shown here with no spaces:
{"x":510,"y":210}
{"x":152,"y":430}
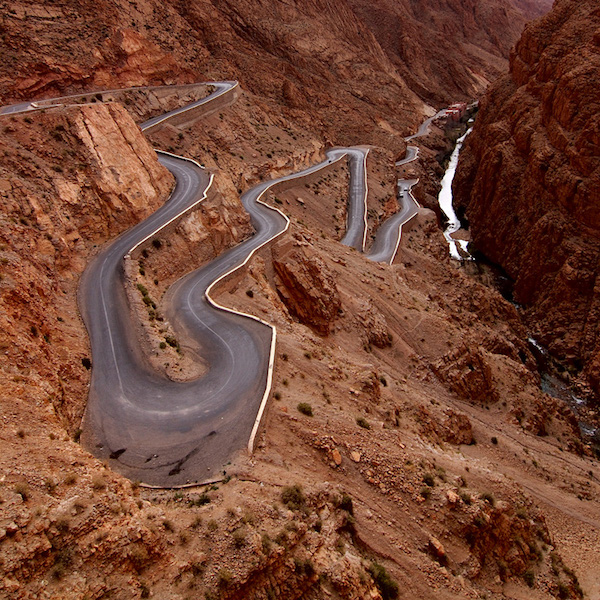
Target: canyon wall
{"x":70,"y":178}
{"x":529,"y":180}
{"x":424,"y":39}
{"x":331,"y":65}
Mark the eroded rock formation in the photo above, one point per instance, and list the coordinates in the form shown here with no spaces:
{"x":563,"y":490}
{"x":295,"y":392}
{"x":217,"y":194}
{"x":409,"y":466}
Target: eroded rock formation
{"x":69,"y":179}
{"x":306,"y":285}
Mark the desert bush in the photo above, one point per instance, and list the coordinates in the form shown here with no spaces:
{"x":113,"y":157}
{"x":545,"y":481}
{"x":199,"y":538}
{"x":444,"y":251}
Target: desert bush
{"x":305,"y":408}
{"x":529,"y":578}
{"x":212,"y":525}
{"x":22,"y":488}
{"x":465,"y":497}
{"x":429,"y":479}
{"x":362,"y":422}
{"x":225,"y":577}
{"x":168,"y":525}
{"x":293,"y":497}
{"x":239,"y":538}
{"x":98,"y":482}
{"x":387,"y":587}
{"x":489,"y":498}
{"x":345,"y":503}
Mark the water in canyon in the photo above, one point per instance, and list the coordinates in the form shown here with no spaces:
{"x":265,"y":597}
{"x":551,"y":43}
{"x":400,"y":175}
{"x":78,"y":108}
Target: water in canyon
{"x":458,"y":248}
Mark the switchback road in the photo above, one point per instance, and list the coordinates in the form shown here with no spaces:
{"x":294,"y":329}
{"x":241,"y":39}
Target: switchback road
{"x":168,"y":433}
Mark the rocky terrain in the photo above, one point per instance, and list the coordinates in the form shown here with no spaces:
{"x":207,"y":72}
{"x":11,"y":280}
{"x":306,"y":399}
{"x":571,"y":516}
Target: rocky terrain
{"x":529,"y":183}
{"x":481,"y":33}
{"x":306,"y":51}
{"x":407,"y":450}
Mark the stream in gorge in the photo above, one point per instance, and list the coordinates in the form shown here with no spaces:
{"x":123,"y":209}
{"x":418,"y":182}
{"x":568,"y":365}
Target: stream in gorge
{"x":458,"y":248}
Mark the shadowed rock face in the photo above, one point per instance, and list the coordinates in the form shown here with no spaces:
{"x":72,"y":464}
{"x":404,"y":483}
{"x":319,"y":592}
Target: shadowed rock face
{"x":529,"y":179}
{"x":315,"y":57}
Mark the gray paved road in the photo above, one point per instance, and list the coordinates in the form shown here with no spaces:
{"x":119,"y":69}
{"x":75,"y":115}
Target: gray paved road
{"x":389,"y":234}
{"x":156,"y":430}
{"x":167,"y":433}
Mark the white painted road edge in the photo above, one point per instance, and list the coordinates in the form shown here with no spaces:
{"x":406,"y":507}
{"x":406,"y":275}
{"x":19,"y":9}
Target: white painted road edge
{"x":214,"y":303}
{"x":179,"y":215}
{"x":365,"y":200}
{"x":400,"y":225}
{"x":192,"y":106}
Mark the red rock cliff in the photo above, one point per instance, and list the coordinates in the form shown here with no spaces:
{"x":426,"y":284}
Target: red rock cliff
{"x":529,"y":179}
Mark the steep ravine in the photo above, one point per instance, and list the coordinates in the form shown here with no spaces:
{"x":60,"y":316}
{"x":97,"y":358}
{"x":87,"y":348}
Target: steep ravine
{"x":529,"y":182}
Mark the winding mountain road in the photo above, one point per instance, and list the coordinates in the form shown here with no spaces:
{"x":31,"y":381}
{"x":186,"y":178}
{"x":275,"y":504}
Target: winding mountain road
{"x":167,"y":433}
{"x":389,"y":234}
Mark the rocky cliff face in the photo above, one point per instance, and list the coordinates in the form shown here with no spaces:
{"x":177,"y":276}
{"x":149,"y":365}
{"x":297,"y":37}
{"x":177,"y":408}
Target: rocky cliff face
{"x":306,"y":286}
{"x":529,"y":180}
{"x":481,"y":33}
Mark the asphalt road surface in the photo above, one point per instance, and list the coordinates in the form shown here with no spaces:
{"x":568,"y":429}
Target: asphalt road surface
{"x":221,"y":87}
{"x":387,"y":240}
{"x":356,"y":220}
{"x":155,"y":430}
{"x":168,"y":433}
{"x":388,"y":236}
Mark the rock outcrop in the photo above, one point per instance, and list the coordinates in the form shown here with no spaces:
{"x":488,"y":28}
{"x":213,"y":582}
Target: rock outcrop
{"x":306,"y":286}
{"x":300,"y":55}
{"x":529,"y":181}
{"x":376,"y":328}
{"x":70,"y":178}
{"x":481,"y":32}
{"x":468,"y":374}
{"x":455,"y":429}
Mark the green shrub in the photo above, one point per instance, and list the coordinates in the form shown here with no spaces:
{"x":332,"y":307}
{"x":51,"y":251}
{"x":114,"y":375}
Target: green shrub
{"x":293,"y":497}
{"x":172,"y":341}
{"x":239,"y":538}
{"x":387,"y":587}
{"x":428,"y":479}
{"x":345,"y":503}
{"x":225,"y":577}
{"x":22,"y":488}
{"x":267,"y":544}
{"x":168,"y":525}
{"x":200,"y":500}
{"x":306,"y":409}
{"x":362,"y":422}
{"x":489,"y":498}
{"x":213,"y":525}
